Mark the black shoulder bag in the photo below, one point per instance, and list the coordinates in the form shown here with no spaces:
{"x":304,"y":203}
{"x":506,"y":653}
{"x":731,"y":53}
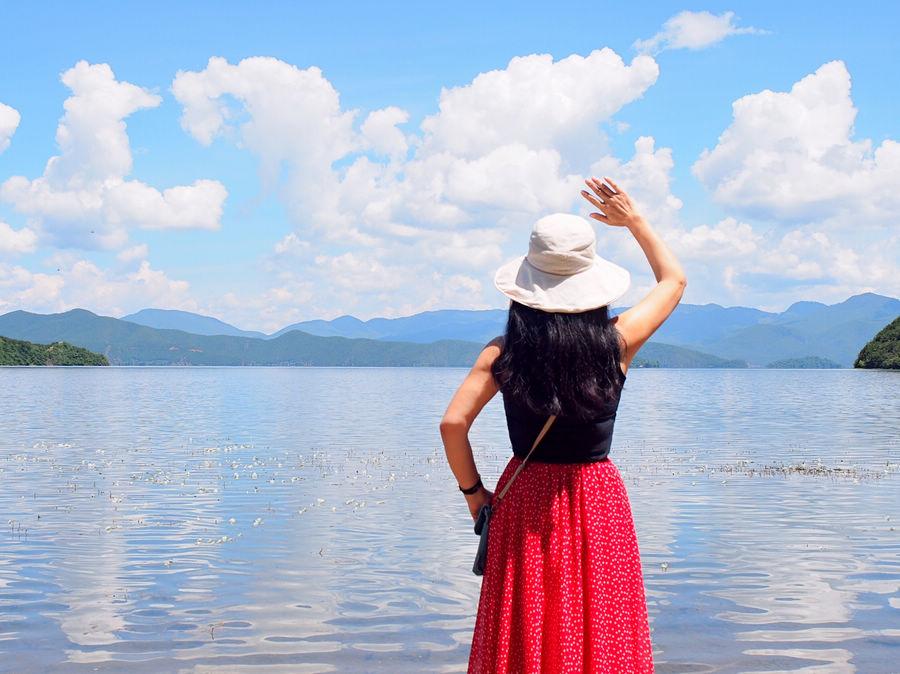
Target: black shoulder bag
{"x":482,"y":524}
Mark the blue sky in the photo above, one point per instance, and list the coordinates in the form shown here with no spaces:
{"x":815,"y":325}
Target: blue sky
{"x":302,"y":212}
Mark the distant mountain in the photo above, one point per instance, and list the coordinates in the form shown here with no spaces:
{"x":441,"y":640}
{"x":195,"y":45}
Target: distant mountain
{"x":805,"y":363}
{"x":740,"y":335}
{"x":173,"y":319}
{"x":342,"y":326}
{"x":836,"y":332}
{"x":127,"y":343}
{"x":19,"y":352}
{"x":884,"y":349}
{"x":691,"y":324}
{"x":428,"y":326}
{"x":798,"y":310}
{"x":686,"y":326}
{"x":654,"y":354}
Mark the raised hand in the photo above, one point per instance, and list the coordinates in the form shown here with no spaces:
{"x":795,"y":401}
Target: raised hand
{"x":617,"y":207}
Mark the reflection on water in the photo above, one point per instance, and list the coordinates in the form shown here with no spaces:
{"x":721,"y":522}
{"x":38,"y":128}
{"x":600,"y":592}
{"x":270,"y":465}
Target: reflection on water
{"x":291,"y":520}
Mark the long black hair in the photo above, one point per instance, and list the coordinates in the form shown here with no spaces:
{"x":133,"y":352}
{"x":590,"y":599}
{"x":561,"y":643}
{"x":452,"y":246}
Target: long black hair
{"x":560,"y":363}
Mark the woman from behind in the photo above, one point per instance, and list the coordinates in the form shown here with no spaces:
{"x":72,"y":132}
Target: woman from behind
{"x":562,"y":589}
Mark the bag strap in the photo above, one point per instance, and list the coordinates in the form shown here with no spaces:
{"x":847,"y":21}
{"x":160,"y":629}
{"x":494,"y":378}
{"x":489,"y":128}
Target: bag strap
{"x":540,"y":437}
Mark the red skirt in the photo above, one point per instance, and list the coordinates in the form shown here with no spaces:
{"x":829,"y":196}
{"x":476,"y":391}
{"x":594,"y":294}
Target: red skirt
{"x":562,"y":589}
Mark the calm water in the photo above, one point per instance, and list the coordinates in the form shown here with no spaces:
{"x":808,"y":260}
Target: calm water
{"x":294,"y":520}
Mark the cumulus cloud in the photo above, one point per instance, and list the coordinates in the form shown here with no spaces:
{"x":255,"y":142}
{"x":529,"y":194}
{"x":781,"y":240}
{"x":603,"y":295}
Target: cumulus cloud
{"x":137,"y":252}
{"x":292,"y":119}
{"x":809,"y":263}
{"x":728,"y":239}
{"x":381,"y":132}
{"x":537,"y":102}
{"x":694,"y":30}
{"x":9,"y":122}
{"x":392,"y":217}
{"x":16,"y":241}
{"x":510,"y":144}
{"x":790,"y":157}
{"x":83,"y":198}
{"x":647,"y":177}
{"x":81,"y":283}
{"x":292,"y":244}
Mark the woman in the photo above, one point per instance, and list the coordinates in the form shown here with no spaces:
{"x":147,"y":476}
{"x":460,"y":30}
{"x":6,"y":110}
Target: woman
{"x":562,"y":589}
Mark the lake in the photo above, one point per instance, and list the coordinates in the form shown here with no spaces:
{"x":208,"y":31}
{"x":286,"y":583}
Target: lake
{"x":305,"y":519}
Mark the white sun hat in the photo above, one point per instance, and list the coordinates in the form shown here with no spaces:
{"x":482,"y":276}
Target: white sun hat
{"x":562,"y":271}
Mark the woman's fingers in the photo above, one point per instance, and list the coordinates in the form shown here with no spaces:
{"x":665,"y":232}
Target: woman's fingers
{"x":596,"y":202}
{"x":594,"y":189}
{"x":605,"y":190}
{"x":602,"y":196}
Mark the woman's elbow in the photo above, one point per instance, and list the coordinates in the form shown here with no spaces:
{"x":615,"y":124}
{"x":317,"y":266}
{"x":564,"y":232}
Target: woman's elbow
{"x":679,"y":283}
{"x":453,"y":424}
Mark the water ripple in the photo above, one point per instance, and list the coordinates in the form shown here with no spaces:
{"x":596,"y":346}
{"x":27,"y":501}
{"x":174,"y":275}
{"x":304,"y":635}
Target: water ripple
{"x":291,"y":519}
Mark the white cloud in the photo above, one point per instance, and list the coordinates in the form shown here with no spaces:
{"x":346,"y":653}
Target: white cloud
{"x":808,"y":263}
{"x":537,"y":102}
{"x":92,"y":135}
{"x":16,"y":241}
{"x":9,"y":122}
{"x":390,"y":220}
{"x":291,"y":118}
{"x":694,"y":30}
{"x":726,"y":241}
{"x":515,"y":121}
{"x":388,"y":207}
{"x":292,"y":244}
{"x":789,"y":156}
{"x":81,"y":283}
{"x":270,"y":310}
{"x":380,"y":130}
{"x":83,"y":198}
{"x":137,"y":252}
{"x":647,"y":177}
{"x":195,"y":206}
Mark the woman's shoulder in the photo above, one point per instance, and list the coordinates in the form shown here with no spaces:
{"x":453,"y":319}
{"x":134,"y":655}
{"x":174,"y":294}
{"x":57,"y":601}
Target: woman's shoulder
{"x":496,"y":345}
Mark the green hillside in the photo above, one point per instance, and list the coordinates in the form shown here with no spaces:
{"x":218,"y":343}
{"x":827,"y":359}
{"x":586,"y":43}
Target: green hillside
{"x":126,"y":343}
{"x":883,"y":352}
{"x":832,"y":332}
{"x":20,"y":352}
{"x":836,"y":332}
{"x":654,"y":354}
{"x":805,"y":363}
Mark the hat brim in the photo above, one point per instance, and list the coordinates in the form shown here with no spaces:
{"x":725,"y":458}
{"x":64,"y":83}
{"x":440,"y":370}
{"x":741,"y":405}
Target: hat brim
{"x":598,"y":285}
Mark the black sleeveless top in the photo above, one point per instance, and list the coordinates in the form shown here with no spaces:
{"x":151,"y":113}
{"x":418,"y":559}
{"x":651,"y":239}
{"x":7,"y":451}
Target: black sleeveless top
{"x":568,"y":440}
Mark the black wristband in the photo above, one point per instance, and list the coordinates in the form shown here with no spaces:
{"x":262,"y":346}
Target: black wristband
{"x":474,"y":488}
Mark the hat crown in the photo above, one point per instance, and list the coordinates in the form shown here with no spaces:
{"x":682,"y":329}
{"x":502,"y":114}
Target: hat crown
{"x":562,"y":243}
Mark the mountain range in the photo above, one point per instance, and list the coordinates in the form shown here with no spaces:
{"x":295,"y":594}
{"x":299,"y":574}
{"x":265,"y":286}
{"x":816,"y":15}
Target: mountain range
{"x":834,"y":332}
{"x":708,"y":335}
{"x":127,"y":343}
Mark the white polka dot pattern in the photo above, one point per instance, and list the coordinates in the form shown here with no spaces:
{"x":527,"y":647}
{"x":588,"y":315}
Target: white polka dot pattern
{"x":562,"y":590}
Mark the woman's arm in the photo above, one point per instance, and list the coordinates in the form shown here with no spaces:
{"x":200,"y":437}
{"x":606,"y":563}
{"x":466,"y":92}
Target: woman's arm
{"x":639,"y":322}
{"x":470,"y":398}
